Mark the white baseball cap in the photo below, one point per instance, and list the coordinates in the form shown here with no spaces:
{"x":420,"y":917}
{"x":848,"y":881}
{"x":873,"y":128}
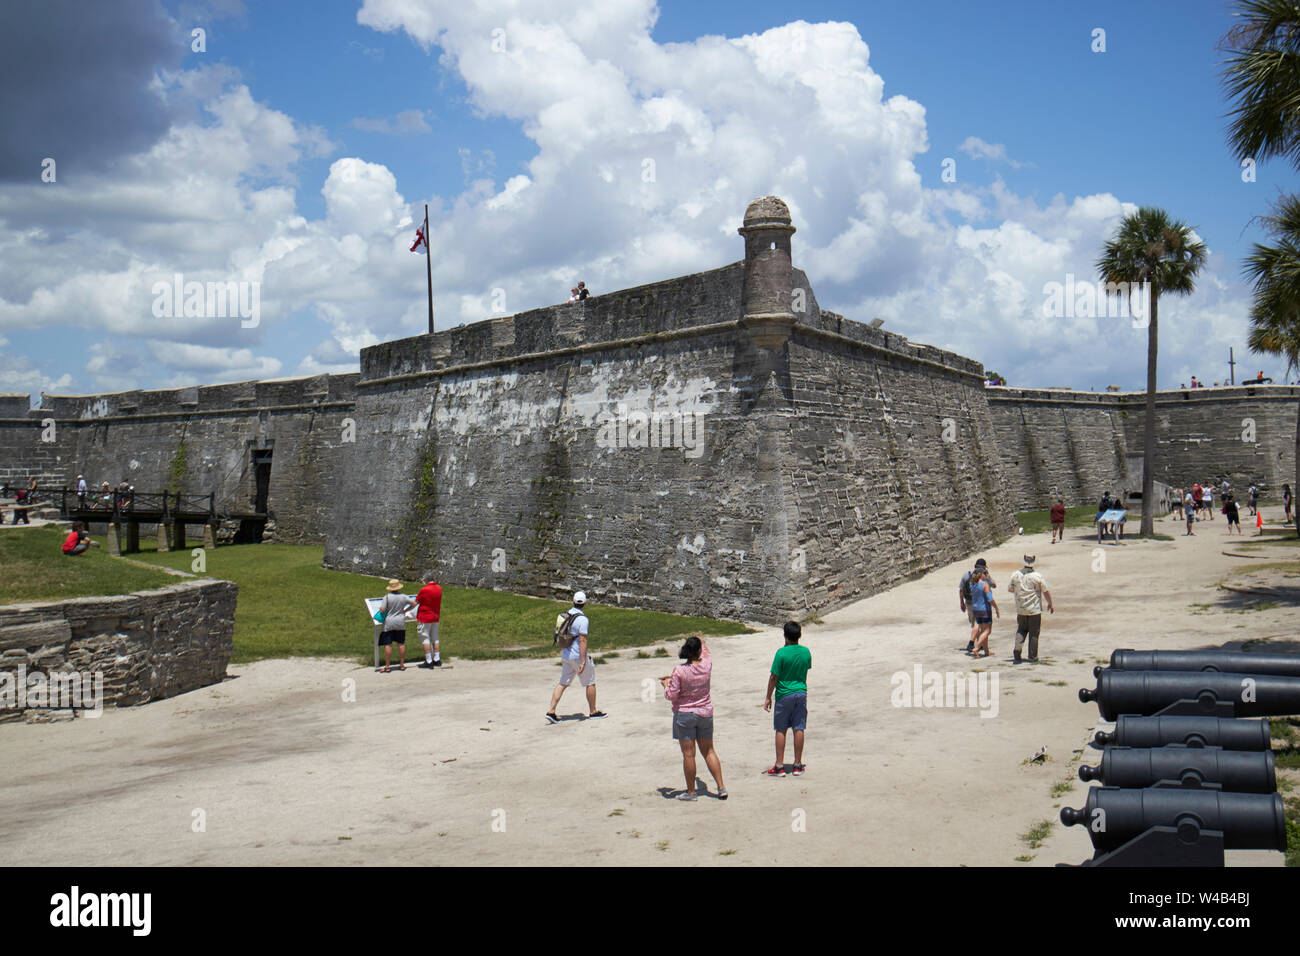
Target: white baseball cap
{"x":579,"y":598}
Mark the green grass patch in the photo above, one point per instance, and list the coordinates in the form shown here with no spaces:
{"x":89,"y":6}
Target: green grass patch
{"x":1037,"y":834}
{"x":1292,"y":807}
{"x":1063,"y":787}
{"x":290,"y":606}
{"x":34,"y":569}
{"x":1036,"y":522}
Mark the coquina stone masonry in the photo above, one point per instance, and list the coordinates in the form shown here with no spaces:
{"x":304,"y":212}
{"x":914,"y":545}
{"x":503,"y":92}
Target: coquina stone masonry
{"x":147,"y":646}
{"x":715,"y":444}
{"x":196,"y":440}
{"x":1074,"y":445}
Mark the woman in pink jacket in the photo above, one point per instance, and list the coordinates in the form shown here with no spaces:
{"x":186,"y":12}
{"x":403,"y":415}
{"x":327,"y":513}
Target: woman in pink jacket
{"x":687,"y":687}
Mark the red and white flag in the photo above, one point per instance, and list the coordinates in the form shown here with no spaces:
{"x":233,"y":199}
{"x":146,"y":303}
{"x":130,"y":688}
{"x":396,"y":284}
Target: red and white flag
{"x":421,"y":244}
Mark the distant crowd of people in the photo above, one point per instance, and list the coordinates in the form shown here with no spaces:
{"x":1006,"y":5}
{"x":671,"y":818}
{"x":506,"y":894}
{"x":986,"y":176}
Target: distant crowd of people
{"x":1257,"y":380}
{"x":1196,"y":503}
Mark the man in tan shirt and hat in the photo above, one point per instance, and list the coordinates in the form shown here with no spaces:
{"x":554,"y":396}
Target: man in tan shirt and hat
{"x":1029,"y":590}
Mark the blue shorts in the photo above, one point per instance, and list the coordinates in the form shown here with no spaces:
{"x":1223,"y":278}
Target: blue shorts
{"x":790,"y":713}
{"x":983,"y":617}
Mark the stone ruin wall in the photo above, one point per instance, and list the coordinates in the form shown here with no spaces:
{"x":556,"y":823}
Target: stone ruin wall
{"x":147,"y":646}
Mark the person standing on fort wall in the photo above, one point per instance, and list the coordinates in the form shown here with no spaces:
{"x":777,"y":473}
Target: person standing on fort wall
{"x":429,"y":600}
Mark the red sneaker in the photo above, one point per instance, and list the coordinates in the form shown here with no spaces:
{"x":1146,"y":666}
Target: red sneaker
{"x":775,"y":771}
{"x":799,"y":769}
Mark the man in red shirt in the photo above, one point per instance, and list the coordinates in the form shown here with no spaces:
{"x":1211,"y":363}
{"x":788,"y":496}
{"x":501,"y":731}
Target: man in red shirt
{"x":1058,"y":520}
{"x":430,"y":602}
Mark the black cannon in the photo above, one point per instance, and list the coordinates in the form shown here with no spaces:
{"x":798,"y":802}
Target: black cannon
{"x":1169,"y":827}
{"x":1228,"y":662}
{"x":1206,"y":768}
{"x":1131,"y":731}
{"x":1193,"y":693}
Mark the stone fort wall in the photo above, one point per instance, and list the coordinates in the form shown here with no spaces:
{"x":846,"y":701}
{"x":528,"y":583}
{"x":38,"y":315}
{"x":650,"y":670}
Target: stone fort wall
{"x":715,"y":443}
{"x":490,"y":454}
{"x":194,"y":440}
{"x":1075,"y":444}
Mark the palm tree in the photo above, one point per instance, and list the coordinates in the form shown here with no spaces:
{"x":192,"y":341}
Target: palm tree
{"x":1262,"y":74}
{"x":1149,"y":247}
{"x":1275,"y":312}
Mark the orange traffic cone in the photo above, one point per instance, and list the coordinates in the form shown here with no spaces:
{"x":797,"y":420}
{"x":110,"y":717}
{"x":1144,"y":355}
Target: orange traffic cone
{"x":1259,"y":520}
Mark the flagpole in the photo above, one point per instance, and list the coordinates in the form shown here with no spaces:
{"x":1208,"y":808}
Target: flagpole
{"x":428,"y":265}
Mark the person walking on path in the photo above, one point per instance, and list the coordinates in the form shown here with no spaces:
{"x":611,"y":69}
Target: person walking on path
{"x":429,"y":600}
{"x":964,"y":595}
{"x":984,"y":605}
{"x":1252,"y":499}
{"x":788,"y":679}
{"x":1058,"y":520}
{"x":1197,"y":494}
{"x":687,"y":688}
{"x":1029,"y":590}
{"x":1189,"y":512}
{"x":1286,"y":503}
{"x":1232,"y":513}
{"x":571,"y":633}
{"x":1207,"y":499}
{"x":394,"y":608}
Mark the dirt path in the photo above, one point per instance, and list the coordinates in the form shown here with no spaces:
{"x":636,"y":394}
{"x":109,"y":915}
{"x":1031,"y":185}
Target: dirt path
{"x":458,"y":766}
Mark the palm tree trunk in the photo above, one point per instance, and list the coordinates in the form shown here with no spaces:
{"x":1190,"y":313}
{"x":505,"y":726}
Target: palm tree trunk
{"x":1149,"y":430}
{"x":1295,"y":488}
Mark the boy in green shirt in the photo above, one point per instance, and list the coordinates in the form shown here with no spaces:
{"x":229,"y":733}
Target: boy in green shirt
{"x":789,"y":680}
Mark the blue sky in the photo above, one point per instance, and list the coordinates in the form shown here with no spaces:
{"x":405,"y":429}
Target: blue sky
{"x":299,"y":148}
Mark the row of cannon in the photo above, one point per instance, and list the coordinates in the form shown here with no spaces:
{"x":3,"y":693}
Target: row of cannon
{"x":1188,"y":771}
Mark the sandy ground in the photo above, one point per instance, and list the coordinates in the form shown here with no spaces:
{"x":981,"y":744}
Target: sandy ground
{"x":458,"y":766}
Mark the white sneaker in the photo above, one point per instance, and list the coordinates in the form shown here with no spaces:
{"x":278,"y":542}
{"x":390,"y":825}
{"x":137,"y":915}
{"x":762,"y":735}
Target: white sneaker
{"x":684,"y":795}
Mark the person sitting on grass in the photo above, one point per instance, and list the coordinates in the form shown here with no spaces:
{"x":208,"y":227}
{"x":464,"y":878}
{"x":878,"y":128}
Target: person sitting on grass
{"x":78,"y":540}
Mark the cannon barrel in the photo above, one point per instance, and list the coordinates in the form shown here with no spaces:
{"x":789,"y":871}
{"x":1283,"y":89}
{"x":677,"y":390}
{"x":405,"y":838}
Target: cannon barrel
{"x":1228,"y":662}
{"x":1190,"y":767}
{"x":1248,"y":821}
{"x":1211,"y":693}
{"x":1131,"y":731}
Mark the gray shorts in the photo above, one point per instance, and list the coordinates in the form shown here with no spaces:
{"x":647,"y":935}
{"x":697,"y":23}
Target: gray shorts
{"x":692,"y":727}
{"x":428,"y":631}
{"x":790,"y":713}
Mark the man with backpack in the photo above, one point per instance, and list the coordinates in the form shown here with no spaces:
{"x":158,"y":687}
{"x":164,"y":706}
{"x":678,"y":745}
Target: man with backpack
{"x":571,"y":636}
{"x":964,"y":594}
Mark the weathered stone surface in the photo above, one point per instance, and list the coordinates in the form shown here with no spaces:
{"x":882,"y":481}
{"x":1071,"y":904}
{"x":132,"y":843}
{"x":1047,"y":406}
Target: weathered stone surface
{"x":823,"y":472}
{"x":1075,"y":444}
{"x":146,"y":646}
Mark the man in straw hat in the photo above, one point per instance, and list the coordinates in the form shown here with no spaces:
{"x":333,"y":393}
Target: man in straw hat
{"x":394,"y":607}
{"x":1029,"y":590}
